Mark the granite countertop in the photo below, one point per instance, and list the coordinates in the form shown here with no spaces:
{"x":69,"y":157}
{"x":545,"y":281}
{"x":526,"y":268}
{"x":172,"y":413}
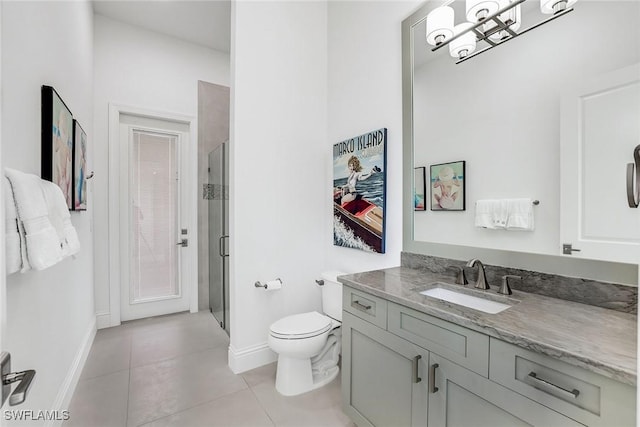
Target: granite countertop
{"x":597,"y":339}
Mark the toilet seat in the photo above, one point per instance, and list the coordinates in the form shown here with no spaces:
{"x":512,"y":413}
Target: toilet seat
{"x":300,"y":326}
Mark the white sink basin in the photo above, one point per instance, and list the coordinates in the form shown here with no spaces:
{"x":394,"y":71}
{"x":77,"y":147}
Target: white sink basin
{"x":481,"y":304}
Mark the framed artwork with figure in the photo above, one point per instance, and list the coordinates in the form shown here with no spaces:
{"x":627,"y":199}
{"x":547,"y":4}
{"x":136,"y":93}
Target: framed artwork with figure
{"x":57,"y":143}
{"x":79,"y":168}
{"x":359,"y":191}
{"x":419,"y":189}
{"x":447,"y":186}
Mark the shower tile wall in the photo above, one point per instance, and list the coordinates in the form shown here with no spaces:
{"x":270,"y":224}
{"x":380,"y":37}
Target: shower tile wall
{"x":213,"y":130}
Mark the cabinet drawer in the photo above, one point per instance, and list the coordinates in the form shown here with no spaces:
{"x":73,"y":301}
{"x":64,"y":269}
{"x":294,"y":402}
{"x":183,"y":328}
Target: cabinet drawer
{"x":461,"y":345}
{"x":365,"y":306}
{"x":580,"y":394}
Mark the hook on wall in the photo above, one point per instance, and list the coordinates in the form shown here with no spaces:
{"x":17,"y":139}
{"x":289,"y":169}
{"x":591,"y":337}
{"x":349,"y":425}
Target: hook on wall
{"x":90,"y":175}
{"x":633,"y":179}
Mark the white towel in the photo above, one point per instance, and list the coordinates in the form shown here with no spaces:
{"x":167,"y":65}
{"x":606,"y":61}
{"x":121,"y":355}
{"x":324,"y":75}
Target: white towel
{"x":520,"y":214}
{"x":491,"y":214}
{"x":12,"y":234}
{"x":42,"y":243}
{"x":60,"y":218}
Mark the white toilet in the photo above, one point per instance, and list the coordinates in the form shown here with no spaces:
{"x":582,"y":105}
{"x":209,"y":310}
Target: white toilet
{"x":309,"y":344}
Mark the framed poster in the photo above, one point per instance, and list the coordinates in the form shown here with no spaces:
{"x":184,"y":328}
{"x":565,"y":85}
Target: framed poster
{"x":79,"y":167}
{"x":57,"y":142}
{"x":359,"y":191}
{"x":419,"y":189}
{"x":447,"y":186}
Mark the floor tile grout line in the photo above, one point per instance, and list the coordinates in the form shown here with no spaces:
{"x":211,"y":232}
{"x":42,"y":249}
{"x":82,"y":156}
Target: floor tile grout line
{"x":193,"y":407}
{"x":259,"y":402}
{"x":102,"y":375}
{"x":174,"y":357}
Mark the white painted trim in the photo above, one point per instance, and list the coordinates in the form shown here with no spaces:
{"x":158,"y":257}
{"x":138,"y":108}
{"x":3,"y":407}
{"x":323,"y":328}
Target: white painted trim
{"x":191,"y":276}
{"x":250,"y":358}
{"x":70,"y":382}
{"x":103,"y":320}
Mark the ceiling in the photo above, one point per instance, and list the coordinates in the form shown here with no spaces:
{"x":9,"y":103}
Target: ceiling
{"x":203,"y":22}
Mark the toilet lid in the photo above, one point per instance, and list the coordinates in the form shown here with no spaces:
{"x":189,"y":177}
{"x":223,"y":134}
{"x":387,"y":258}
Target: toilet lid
{"x":303,"y":325}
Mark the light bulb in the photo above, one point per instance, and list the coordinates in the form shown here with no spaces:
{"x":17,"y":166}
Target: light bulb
{"x":464,"y":45}
{"x":439,"y":25}
{"x":513,"y":15}
{"x":478,"y":10}
{"x":554,"y":6}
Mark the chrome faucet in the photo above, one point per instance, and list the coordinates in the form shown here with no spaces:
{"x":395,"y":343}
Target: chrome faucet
{"x":461,"y":278}
{"x":481,"y":283}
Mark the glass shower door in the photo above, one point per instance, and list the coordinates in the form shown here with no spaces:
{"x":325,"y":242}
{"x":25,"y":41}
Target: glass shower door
{"x":218,"y":235}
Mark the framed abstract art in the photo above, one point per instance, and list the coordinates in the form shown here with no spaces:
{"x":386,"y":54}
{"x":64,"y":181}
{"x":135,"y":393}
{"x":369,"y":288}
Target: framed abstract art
{"x":57,"y":142}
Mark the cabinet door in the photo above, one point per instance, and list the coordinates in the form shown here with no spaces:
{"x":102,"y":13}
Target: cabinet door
{"x":380,"y":385}
{"x":464,"y":398}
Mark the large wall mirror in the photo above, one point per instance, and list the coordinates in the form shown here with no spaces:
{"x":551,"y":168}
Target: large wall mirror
{"x":552,"y":115}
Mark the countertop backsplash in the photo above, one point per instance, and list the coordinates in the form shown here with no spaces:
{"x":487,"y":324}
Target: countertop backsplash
{"x":613,"y":296}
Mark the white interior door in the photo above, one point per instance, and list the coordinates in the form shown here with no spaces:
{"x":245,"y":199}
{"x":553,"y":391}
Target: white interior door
{"x":153,"y":230}
{"x":600,"y":129}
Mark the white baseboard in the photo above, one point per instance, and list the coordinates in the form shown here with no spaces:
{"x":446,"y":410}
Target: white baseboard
{"x":105,"y":320}
{"x":250,"y":358}
{"x":73,"y":375}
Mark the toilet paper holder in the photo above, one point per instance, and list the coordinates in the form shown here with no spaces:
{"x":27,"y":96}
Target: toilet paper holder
{"x":264,"y":285}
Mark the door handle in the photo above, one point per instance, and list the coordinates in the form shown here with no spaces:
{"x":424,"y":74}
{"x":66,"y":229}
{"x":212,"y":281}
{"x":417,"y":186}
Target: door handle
{"x":633,"y":179}
{"x":184,"y":243}
{"x":221,"y":246}
{"x":24,"y":378}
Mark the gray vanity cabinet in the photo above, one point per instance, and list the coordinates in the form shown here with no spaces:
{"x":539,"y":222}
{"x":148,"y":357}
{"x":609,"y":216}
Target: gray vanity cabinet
{"x":384,"y":376}
{"x":466,"y":399}
{"x":390,"y":353}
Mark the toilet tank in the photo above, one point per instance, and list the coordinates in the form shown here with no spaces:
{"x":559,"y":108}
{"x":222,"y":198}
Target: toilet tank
{"x":332,"y":294}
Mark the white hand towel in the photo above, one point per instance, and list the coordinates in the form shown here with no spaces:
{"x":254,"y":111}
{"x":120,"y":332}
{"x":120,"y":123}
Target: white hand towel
{"x":491,"y":214}
{"x":484,"y":214}
{"x":42,"y":243}
{"x":520,"y":214}
{"x":60,"y":218}
{"x":12,"y":234}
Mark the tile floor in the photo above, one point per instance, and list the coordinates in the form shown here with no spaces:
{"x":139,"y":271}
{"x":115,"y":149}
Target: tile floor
{"x":172,"y":371}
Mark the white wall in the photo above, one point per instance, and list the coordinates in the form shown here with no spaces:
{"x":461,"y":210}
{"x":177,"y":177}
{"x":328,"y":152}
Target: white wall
{"x":50,"y":314}
{"x":364,"y":94}
{"x":279,"y":157}
{"x":135,"y":67}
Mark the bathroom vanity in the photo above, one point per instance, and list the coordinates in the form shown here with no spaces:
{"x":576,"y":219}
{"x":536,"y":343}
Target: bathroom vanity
{"x":413,"y":360}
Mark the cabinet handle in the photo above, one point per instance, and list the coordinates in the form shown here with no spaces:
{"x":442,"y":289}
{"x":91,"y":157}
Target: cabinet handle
{"x":432,"y":378}
{"x":414,"y":368}
{"x":360,"y":306}
{"x":569,"y":393}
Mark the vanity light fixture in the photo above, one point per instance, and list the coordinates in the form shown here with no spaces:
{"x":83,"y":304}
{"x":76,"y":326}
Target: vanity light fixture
{"x":512,"y":18}
{"x":549,"y":7}
{"x":490,"y":21}
{"x":479,"y":10}
{"x":439,"y":25}
{"x":464,"y":45}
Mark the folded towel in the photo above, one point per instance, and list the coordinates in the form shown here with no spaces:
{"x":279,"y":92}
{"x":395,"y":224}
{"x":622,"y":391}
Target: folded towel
{"x":60,"y":218}
{"x":12,"y":233}
{"x":43,"y":246}
{"x":506,"y":214}
{"x":520,"y":214}
{"x":491,"y":214}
